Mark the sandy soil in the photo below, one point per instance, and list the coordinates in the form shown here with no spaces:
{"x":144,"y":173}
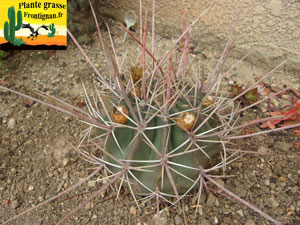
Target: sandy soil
{"x":37,"y":160}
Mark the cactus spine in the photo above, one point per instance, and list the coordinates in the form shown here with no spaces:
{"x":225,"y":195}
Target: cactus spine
{"x":9,"y":27}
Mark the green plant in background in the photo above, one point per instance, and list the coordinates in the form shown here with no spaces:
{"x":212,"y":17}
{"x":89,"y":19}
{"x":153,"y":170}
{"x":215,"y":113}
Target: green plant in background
{"x":53,"y":30}
{"x":3,"y":55}
{"x":10,"y":28}
{"x":163,"y":129}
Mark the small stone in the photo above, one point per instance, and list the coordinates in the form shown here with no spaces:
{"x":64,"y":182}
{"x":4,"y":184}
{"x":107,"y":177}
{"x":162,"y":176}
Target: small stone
{"x":178,"y":220}
{"x":204,"y":222}
{"x":5,"y":202}
{"x":59,"y":187}
{"x":216,"y":220}
{"x":91,"y":183}
{"x":267,"y":182}
{"x":210,"y":199}
{"x":272,"y":203}
{"x":65,"y":161}
{"x":250,"y":222}
{"x":283,"y":179}
{"x":162,"y":218}
{"x":272,"y":186}
{"x":89,"y":205}
{"x":14,"y":204}
{"x":65,"y":175}
{"x":217,"y":203}
{"x":221,"y":182}
{"x":240,"y":212}
{"x":40,"y":198}
{"x":132,"y":210}
{"x":11,"y":123}
{"x":30,"y":188}
{"x":293,"y":190}
{"x":262,"y":150}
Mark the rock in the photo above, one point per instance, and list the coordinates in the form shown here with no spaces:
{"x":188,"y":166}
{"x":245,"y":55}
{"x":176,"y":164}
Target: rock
{"x":162,"y":218}
{"x":283,"y":146}
{"x":216,"y":220}
{"x":240,"y":212}
{"x":272,"y":203}
{"x":91,"y":183}
{"x":14,"y":204}
{"x":11,"y":123}
{"x":65,"y":175}
{"x":30,"y":188}
{"x":132,"y":210}
{"x":65,"y":161}
{"x":89,"y":205}
{"x":204,"y":222}
{"x":250,"y":222}
{"x":267,"y":182}
{"x":262,"y":150}
{"x":210,"y":199}
{"x":221,"y":182}
{"x":178,"y":220}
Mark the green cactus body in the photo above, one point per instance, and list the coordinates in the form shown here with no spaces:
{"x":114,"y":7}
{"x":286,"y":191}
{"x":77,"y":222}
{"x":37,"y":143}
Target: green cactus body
{"x":10,"y":27}
{"x":137,"y":152}
{"x":53,"y":30}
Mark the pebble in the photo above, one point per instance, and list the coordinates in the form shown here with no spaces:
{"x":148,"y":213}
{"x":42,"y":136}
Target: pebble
{"x":91,"y":183}
{"x":65,"y":175}
{"x":210,"y":199}
{"x":89,"y":205}
{"x":272,"y":186}
{"x":204,"y":222}
{"x":30,"y":188}
{"x":14,"y":204}
{"x":262,"y":150}
{"x":267,"y":182}
{"x":217,"y":203}
{"x":132,"y":210}
{"x":240,"y":212}
{"x":60,"y":186}
{"x":250,"y":222}
{"x":294,"y":190}
{"x":178,"y":220}
{"x":216,"y":220}
{"x":65,"y":161}
{"x":221,"y":182}
{"x":11,"y":123}
{"x":272,"y":203}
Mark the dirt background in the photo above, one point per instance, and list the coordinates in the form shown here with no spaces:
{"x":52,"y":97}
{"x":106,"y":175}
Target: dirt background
{"x":37,"y":160}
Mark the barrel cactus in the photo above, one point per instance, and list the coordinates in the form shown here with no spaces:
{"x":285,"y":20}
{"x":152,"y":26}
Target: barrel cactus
{"x":163,"y":137}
